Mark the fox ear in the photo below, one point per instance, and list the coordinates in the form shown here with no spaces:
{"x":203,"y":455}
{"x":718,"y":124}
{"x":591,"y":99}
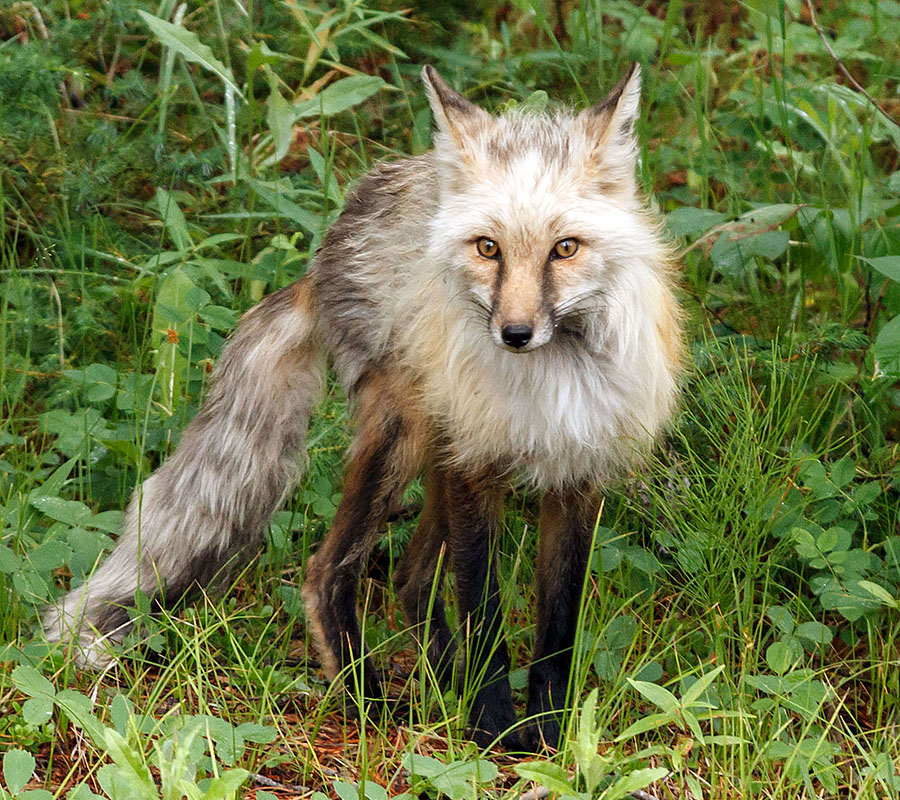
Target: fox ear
{"x":610,"y":123}
{"x":455,"y":116}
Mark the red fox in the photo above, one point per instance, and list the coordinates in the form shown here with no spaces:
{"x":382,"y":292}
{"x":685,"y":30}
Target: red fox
{"x":499,"y":309}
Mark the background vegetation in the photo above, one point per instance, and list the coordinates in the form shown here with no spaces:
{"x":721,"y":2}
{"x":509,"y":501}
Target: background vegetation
{"x":164,"y":167}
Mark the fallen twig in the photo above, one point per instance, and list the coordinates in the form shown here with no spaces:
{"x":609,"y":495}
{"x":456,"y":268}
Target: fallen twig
{"x":263,"y":780}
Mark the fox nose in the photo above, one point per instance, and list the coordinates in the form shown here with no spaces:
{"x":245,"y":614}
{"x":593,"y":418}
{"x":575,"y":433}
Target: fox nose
{"x":516,"y":335}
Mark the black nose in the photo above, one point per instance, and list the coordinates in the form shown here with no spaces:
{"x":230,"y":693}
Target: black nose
{"x":516,"y":335}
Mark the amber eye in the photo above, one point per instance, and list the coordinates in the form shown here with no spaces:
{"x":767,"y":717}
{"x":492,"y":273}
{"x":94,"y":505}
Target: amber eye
{"x":565,"y":248}
{"x":487,"y":247}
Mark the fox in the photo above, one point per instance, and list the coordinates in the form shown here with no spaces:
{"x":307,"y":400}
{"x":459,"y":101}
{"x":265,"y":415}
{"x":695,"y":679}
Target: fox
{"x":500,"y":311}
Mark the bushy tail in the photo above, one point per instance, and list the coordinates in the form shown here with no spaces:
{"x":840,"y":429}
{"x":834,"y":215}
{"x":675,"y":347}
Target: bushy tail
{"x":205,"y":510}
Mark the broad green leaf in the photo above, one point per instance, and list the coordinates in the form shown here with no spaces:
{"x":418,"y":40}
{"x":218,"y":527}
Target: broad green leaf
{"x":827,"y":540}
{"x":31,"y":682}
{"x":639,"y":779}
{"x":867,"y":493}
{"x":83,"y":792}
{"x":656,"y":694}
{"x":781,"y":619}
{"x":9,"y":561}
{"x":426,"y":766}
{"x":79,"y":709}
{"x":169,"y":325}
{"x":253,"y":732}
{"x":779,"y":657}
{"x":131,"y":764}
{"x":700,"y":686}
{"x":607,"y":663}
{"x":649,"y":723}
{"x":374,"y":791}
{"x":346,"y":791}
{"x":54,"y":484}
{"x":879,"y":592}
{"x":173,"y":218}
{"x":189,"y":46}
{"x":339,"y":96}
{"x":35,"y":794}
{"x":109,"y":521}
{"x":689,"y":221}
{"x":228,"y":742}
{"x":226,"y":785}
{"x":71,"y":512}
{"x":50,"y":555}
{"x":815,"y":632}
{"x":121,"y":711}
{"x":693,"y":725}
{"x":887,"y":350}
{"x":459,"y":778}
{"x":219,"y":317}
{"x":652,"y":672}
{"x":18,"y":767}
{"x":621,"y":631}
{"x":886,"y":265}
{"x":196,"y":298}
{"x":843,"y":472}
{"x":549,"y":775}
{"x":280,"y":117}
{"x":261,"y":54}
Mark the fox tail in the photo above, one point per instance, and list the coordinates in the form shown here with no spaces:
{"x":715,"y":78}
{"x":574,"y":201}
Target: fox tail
{"x":205,"y":510}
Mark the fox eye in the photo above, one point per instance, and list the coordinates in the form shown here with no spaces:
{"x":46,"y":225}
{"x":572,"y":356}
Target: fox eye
{"x":487,"y":247}
{"x":565,"y":248}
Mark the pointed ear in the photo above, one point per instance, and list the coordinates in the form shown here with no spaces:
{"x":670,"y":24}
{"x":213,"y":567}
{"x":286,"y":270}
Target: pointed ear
{"x":610,"y":123}
{"x":455,"y":116}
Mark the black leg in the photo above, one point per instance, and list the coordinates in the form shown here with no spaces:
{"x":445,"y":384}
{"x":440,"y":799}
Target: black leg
{"x":420,"y":586}
{"x":474,"y":511}
{"x":385,"y":455}
{"x":567,"y":522}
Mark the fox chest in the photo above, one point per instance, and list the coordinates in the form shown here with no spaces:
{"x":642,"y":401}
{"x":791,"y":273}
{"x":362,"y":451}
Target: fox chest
{"x":555,"y":417}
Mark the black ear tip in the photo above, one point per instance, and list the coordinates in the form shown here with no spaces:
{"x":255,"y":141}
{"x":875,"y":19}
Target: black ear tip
{"x":432,"y":77}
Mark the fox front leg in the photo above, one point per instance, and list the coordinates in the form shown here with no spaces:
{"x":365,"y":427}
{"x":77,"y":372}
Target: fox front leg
{"x":567,"y":522}
{"x":385,"y":455}
{"x":474,"y":508}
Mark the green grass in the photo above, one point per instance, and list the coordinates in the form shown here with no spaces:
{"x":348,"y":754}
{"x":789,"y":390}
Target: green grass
{"x":139,"y":206}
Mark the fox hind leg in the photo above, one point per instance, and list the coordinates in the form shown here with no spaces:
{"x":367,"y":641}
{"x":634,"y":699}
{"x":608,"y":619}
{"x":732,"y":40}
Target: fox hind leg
{"x":419,"y":584}
{"x":385,"y":456}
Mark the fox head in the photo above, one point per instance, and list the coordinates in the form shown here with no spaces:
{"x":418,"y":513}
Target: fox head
{"x":537,"y":212}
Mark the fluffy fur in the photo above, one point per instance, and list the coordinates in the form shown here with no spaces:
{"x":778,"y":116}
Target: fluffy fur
{"x":416,"y":322}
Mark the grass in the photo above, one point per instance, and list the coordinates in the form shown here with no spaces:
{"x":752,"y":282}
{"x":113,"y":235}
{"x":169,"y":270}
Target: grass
{"x":740,"y":620}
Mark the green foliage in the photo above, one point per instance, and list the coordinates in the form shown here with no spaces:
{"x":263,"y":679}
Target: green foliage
{"x":162,"y":170}
{"x":596,"y":772}
{"x":185,"y":750}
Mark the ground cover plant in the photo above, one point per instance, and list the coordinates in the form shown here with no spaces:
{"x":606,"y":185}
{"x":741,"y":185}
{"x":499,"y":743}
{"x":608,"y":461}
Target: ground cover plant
{"x":164,"y":165}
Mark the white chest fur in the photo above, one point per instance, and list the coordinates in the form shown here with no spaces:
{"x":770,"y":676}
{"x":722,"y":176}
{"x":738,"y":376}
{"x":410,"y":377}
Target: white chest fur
{"x":560,"y":414}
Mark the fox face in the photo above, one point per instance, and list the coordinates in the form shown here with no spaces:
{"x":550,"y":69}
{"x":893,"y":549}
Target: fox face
{"x":536,"y":213}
